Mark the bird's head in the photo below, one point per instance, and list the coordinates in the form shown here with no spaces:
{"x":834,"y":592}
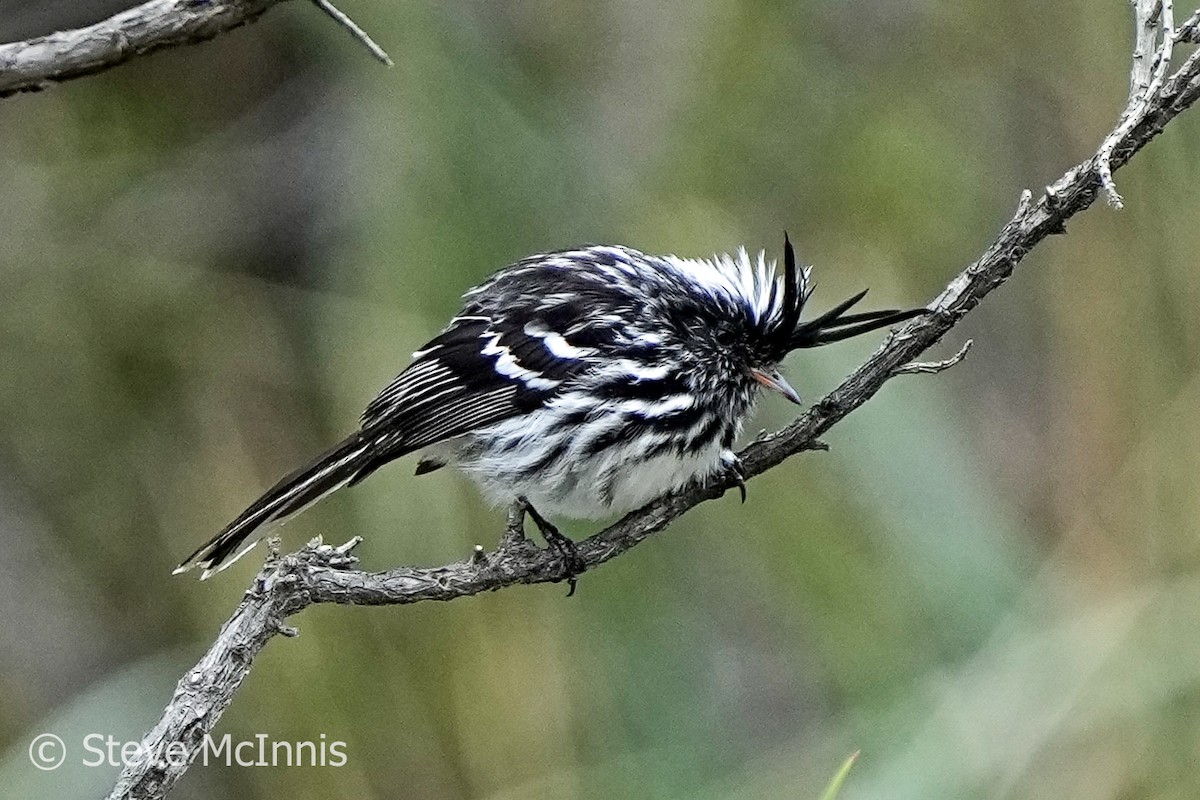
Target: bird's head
{"x":745,"y":317}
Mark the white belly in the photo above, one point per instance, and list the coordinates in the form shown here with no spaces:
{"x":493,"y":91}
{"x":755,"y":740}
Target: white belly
{"x":505,"y":460}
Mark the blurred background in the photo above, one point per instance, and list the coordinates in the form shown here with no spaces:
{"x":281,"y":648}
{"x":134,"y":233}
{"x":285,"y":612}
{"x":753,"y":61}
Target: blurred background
{"x":213,"y":257}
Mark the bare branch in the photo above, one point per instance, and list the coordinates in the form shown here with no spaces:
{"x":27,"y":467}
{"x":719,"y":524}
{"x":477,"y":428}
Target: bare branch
{"x":1151,"y":60}
{"x":323,"y":574}
{"x":36,"y":64}
{"x":355,"y":31}
{"x":934,"y":367}
{"x":1147,"y":14}
{"x":1189,"y":31}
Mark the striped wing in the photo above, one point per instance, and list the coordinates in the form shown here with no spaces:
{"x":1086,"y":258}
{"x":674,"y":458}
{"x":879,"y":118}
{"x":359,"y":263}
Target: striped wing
{"x":477,"y":372}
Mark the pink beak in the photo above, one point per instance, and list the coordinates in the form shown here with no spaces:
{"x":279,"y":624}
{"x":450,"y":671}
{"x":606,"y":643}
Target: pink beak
{"x":775,"y":382}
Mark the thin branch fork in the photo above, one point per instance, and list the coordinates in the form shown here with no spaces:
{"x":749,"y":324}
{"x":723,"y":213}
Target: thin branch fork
{"x":1155,"y":39}
{"x":934,"y":367}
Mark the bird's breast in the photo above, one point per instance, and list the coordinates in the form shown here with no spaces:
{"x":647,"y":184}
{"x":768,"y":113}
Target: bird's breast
{"x":585,"y":459}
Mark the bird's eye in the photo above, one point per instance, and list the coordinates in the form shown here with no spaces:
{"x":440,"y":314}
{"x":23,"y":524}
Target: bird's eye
{"x":726,"y":338}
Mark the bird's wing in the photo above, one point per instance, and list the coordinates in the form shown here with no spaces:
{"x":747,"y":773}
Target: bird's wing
{"x":479,"y":371}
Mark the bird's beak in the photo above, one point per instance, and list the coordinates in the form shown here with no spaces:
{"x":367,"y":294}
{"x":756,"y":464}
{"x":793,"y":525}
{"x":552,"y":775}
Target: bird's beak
{"x":775,"y":382}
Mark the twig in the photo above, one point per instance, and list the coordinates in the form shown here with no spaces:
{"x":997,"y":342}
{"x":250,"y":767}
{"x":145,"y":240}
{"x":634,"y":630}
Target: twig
{"x":1155,"y":26}
{"x":1147,"y":15}
{"x":1187,"y":32}
{"x":355,"y":31}
{"x":36,"y":64}
{"x":934,"y":367}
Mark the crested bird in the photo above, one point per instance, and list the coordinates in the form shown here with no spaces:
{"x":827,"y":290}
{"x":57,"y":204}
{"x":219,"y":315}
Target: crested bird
{"x":584,"y":383}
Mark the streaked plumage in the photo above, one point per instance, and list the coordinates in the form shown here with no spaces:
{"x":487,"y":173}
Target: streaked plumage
{"x":587,"y":381}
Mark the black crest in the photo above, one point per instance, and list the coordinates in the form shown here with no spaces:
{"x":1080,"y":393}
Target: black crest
{"x":787,"y":333}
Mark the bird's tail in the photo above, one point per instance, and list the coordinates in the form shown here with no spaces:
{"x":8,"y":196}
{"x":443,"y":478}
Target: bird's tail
{"x":295,"y":492}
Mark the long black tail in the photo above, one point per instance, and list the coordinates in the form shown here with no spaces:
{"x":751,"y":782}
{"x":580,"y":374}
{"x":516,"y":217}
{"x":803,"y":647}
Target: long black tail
{"x":298,"y":490}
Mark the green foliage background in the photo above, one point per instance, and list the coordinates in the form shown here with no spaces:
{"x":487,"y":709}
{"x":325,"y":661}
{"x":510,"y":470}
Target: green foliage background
{"x":212,"y":257}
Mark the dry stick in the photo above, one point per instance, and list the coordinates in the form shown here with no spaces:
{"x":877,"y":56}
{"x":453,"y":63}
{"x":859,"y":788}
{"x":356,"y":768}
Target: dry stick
{"x":358,"y":33}
{"x":1154,"y":40}
{"x":36,"y":64}
{"x":323,"y":574}
{"x":1187,"y":32}
{"x":934,"y":367}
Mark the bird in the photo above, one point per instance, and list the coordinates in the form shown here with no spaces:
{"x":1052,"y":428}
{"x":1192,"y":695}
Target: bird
{"x":582,"y":383}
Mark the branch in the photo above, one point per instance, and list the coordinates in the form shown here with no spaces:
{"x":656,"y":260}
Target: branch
{"x":1151,"y":57}
{"x":323,"y":574}
{"x":934,"y":367}
{"x":36,"y":64}
{"x":352,"y":27}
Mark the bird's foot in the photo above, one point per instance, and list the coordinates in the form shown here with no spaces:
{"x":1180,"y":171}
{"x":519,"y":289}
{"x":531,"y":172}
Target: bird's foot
{"x":736,"y":472}
{"x":561,"y":544}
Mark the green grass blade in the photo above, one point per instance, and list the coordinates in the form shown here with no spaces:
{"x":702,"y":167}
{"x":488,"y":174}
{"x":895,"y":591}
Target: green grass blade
{"x":835,"y":785}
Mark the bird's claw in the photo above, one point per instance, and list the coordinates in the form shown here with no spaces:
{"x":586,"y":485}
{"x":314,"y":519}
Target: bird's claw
{"x":561,"y":544}
{"x":737,"y":474}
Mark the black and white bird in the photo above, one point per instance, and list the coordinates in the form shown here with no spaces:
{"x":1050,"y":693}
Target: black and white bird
{"x":586,"y":382}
